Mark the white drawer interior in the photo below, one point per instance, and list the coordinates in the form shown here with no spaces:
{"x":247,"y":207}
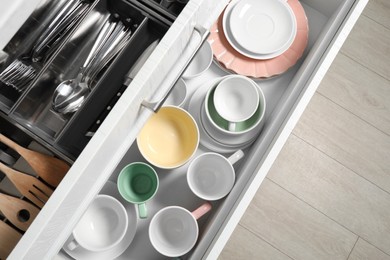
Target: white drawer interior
{"x":282,"y":95}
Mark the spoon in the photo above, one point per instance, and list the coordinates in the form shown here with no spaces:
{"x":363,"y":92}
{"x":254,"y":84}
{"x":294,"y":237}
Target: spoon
{"x":17,"y":211}
{"x":69,"y":97}
{"x":74,"y":91}
{"x":9,"y":237}
{"x":49,"y":168}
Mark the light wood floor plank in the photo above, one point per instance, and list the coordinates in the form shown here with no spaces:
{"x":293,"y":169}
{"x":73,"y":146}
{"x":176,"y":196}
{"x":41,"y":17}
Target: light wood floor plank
{"x":358,"y":90}
{"x":368,"y":44}
{"x":354,"y":92}
{"x":245,"y":245}
{"x":294,"y":227}
{"x":379,"y":11}
{"x":334,"y":190}
{"x":365,"y":251}
{"x":345,"y":137}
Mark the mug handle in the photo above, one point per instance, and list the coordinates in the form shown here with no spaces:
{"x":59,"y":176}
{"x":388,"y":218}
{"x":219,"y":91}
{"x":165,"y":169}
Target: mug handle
{"x":236,"y":157}
{"x":72,"y":245}
{"x":199,"y":212}
{"x":142,"y":210}
{"x":232,"y":126}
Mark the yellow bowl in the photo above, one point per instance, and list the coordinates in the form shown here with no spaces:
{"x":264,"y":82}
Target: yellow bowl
{"x":169,"y":138}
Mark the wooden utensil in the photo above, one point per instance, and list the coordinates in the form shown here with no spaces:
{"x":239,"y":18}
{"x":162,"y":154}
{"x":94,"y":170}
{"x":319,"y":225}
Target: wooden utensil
{"x":49,"y":168}
{"x":30,"y":187}
{"x":19,"y":212}
{"x":9,"y":237}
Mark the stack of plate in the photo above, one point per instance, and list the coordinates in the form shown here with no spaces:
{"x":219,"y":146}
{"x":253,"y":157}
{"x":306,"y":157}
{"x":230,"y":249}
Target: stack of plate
{"x":260,"y":38}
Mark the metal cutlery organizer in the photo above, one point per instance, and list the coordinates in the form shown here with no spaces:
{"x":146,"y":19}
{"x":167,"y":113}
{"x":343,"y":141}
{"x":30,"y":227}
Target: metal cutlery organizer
{"x":169,"y":8}
{"x":30,"y":106}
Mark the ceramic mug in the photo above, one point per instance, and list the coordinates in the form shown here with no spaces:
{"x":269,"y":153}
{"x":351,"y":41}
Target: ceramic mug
{"x":102,"y":226}
{"x":178,"y":94}
{"x":236,"y":100}
{"x":174,"y":230}
{"x":217,"y":127}
{"x":169,"y":138}
{"x":137,"y":183}
{"x":211,"y":176}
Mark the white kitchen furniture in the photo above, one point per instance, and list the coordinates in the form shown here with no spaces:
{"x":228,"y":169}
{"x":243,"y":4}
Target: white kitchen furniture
{"x":113,"y":145}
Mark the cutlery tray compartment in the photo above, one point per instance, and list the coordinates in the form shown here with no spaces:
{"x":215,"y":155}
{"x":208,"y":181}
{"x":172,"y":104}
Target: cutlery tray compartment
{"x":76,"y":134}
{"x":20,"y":48}
{"x":67,"y":132}
{"x":12,"y":159}
{"x":169,"y":8}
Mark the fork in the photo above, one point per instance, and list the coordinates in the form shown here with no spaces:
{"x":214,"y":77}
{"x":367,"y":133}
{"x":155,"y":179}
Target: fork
{"x":30,"y":187}
{"x":22,"y":70}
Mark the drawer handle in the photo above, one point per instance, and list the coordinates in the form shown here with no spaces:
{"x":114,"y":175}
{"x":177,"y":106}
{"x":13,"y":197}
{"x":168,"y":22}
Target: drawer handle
{"x":155,"y":106}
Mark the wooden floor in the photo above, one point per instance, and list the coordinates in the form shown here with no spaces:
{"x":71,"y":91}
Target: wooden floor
{"x":327,"y":195}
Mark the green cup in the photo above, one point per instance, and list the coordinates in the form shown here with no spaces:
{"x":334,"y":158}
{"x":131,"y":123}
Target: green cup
{"x":137,"y":183}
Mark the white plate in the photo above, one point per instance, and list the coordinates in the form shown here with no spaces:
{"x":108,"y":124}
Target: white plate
{"x":200,"y":63}
{"x":260,"y":29}
{"x":111,"y":189}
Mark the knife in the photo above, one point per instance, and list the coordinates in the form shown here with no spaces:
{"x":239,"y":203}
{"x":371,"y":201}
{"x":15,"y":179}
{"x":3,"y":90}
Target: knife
{"x":128,"y":79}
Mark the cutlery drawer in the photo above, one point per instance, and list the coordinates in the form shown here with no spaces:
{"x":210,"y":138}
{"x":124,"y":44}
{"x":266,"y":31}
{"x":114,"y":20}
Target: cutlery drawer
{"x":34,"y":45}
{"x":68,"y":131}
{"x":20,"y":122}
{"x":112,"y":147}
{"x":34,"y":109}
{"x":25,"y":206}
{"x":168,"y":8}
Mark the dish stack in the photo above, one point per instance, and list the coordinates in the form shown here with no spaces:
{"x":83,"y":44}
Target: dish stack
{"x":259,"y":38}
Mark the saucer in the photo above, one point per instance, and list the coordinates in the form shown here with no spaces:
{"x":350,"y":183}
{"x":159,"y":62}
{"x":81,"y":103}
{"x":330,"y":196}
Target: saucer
{"x":234,"y":61}
{"x":194,"y":108}
{"x":109,"y":188}
{"x":277,"y":32}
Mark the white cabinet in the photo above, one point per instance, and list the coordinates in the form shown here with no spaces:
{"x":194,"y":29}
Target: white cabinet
{"x":113,"y":145}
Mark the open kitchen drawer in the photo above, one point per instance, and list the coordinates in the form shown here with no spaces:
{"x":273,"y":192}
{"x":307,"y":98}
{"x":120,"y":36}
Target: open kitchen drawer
{"x":113,"y":146}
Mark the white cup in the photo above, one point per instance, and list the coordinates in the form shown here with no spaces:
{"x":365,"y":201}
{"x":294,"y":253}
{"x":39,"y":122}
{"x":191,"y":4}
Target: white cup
{"x":217,"y":127}
{"x":211,"y":176}
{"x":102,"y":226}
{"x":178,"y":94}
{"x":174,"y":230}
{"x":236,"y":99}
{"x":200,"y":63}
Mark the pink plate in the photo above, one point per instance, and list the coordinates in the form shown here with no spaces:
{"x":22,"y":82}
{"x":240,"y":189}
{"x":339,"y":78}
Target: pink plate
{"x":232,"y":60}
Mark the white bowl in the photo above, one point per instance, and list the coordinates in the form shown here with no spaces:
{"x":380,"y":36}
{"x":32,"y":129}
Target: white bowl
{"x":178,"y":94}
{"x":200,"y":63}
